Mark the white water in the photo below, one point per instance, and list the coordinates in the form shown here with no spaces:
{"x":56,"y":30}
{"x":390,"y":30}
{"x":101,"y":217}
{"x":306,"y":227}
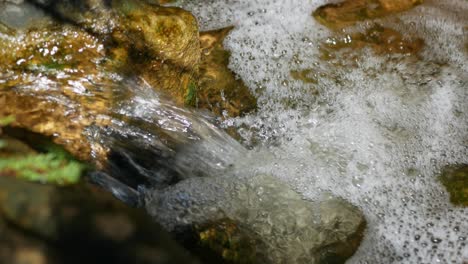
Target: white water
{"x":378,"y":137}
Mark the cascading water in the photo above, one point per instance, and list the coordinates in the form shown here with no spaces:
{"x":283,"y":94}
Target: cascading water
{"x":377,"y":133}
{"x":162,"y":142}
{"x":376,"y":130}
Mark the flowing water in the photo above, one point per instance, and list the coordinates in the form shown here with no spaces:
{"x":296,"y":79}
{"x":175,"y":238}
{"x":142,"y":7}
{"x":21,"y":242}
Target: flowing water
{"x":373,"y":129}
{"x":376,"y":131}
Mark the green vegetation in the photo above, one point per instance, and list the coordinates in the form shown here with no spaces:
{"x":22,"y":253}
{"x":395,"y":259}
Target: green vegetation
{"x":5,"y":121}
{"x":54,"y":165}
{"x":191,"y":96}
{"x":46,"y":167}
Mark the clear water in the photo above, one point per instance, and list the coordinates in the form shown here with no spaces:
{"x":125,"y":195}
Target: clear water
{"x":377,"y":133}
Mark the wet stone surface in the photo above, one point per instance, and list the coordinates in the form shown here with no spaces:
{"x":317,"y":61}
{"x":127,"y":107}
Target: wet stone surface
{"x":273,"y":223}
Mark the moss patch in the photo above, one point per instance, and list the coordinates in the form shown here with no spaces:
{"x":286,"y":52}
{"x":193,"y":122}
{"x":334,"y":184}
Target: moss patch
{"x":52,"y":165}
{"x":191,"y":95}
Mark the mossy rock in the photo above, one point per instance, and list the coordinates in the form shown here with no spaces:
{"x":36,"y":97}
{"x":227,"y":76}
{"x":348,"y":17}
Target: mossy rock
{"x":53,"y":165}
{"x":62,"y":78}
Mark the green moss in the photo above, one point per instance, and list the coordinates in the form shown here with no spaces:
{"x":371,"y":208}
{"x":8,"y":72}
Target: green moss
{"x":48,"y":67}
{"x":455,"y":180}
{"x":55,"y":165}
{"x":191,"y":95}
{"x":48,"y":167}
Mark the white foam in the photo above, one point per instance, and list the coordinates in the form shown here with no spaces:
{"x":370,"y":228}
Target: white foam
{"x":377,"y":134}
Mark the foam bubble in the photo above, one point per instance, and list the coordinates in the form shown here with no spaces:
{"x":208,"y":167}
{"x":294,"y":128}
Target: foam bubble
{"x":376,"y":133}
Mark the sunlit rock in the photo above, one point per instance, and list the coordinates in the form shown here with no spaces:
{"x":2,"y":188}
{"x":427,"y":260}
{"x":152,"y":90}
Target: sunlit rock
{"x":56,"y":82}
{"x":455,"y":180}
{"x":351,"y":11}
{"x":60,"y":78}
{"x":159,"y":43}
{"x":288,"y":228}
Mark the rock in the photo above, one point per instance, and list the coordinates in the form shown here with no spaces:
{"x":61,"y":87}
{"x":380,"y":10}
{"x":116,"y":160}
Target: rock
{"x":78,"y":224}
{"x":59,"y":79}
{"x":455,"y":180}
{"x":382,"y":40}
{"x":159,"y":43}
{"x":219,"y":90}
{"x":49,"y":83}
{"x":47,"y":163}
{"x":348,"y":12}
{"x":275,"y":223}
{"x":20,"y":14}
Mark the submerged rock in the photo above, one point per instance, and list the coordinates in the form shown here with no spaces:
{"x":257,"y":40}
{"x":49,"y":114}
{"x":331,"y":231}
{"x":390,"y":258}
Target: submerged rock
{"x":382,"y":40}
{"x":455,"y":180}
{"x":273,"y":223}
{"x":219,"y":89}
{"x":349,"y":12}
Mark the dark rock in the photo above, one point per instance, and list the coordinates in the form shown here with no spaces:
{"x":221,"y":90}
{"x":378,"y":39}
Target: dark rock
{"x":80,"y":224}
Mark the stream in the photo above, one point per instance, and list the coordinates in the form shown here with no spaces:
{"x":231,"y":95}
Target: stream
{"x":377,"y":131}
{"x":374,"y":129}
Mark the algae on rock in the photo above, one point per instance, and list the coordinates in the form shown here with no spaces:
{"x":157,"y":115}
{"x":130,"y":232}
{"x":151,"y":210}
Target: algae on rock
{"x":159,"y":43}
{"x":58,"y":79}
{"x":52,"y":165}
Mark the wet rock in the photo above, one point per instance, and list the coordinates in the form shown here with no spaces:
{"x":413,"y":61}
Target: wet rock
{"x":382,"y":40}
{"x":274,"y":222}
{"x":55,"y":82}
{"x":159,"y":43}
{"x":219,"y":89}
{"x":348,"y":12}
{"x":455,"y":180}
{"x":60,"y":78}
{"x":77,"y":224}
